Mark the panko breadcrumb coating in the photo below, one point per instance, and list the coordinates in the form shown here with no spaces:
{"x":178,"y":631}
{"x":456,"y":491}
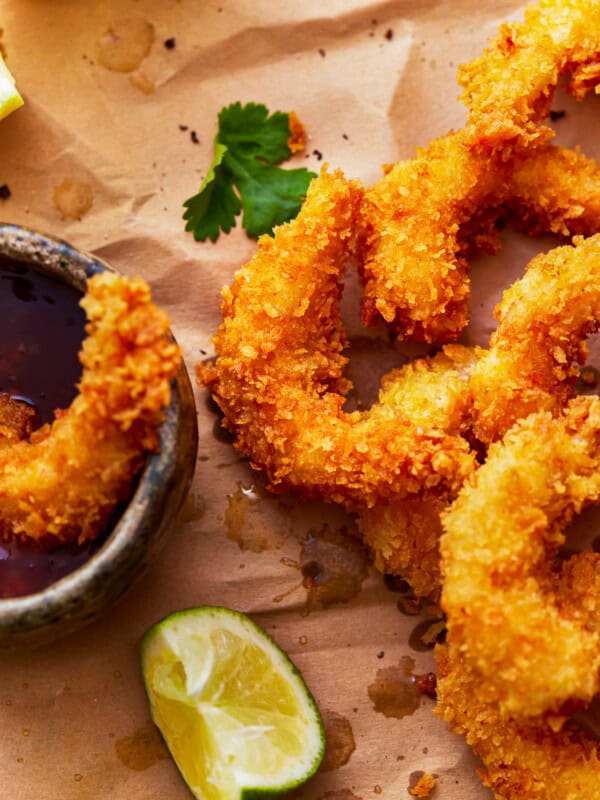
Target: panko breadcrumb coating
{"x":531,"y":365}
{"x":544,"y":319}
{"x":403,"y":533}
{"x":527,"y":626}
{"x":16,"y":420}
{"x":509,"y":89}
{"x":523,"y":761}
{"x":424,"y":217}
{"x":68,"y":479}
{"x":424,"y":786}
{"x":279,"y":378}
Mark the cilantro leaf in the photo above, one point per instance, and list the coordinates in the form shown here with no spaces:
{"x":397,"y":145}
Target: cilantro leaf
{"x":248,"y":146}
{"x":271,"y":195}
{"x":249,"y":130}
{"x":216,"y":205}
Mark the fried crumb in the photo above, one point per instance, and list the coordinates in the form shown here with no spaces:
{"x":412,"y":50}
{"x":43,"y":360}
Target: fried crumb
{"x":424,"y":786}
{"x":297,"y":139}
{"x":589,"y":376}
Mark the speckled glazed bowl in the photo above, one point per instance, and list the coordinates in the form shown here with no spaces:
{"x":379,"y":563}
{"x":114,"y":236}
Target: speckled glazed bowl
{"x":85,"y":593}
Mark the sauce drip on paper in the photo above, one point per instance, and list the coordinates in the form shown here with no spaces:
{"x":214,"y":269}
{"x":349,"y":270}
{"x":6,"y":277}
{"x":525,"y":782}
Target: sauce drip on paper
{"x":125,"y":44}
{"x":141,"y":750}
{"x":339,"y":741}
{"x":334,"y":567}
{"x":397,"y":690}
{"x":251,"y":520}
{"x":42,"y":330}
{"x":73,"y":199}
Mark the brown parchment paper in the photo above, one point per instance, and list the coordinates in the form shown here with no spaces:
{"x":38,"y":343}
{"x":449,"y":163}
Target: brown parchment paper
{"x":370,"y":81}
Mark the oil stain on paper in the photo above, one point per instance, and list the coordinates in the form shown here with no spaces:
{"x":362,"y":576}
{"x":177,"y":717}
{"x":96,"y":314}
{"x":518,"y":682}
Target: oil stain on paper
{"x":142,"y":749}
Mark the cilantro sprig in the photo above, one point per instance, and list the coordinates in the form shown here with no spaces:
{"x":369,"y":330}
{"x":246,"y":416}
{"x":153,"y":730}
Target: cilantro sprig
{"x":244,"y":176}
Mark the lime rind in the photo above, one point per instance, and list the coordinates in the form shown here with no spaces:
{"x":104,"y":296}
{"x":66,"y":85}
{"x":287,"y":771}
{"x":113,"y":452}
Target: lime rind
{"x":233,"y":709}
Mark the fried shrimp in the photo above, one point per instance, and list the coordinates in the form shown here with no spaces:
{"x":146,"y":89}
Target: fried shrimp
{"x":509,"y":89}
{"x":555,"y":190}
{"x":413,"y":269}
{"x":422,"y":219}
{"x":523,"y":761}
{"x":278,"y":375}
{"x":403,"y":534}
{"x":509,"y":605}
{"x":544,"y":319}
{"x":66,"y":481}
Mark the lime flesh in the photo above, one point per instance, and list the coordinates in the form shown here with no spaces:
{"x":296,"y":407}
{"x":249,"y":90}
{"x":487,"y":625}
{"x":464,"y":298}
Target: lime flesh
{"x":10,"y":99}
{"x":233,"y":710}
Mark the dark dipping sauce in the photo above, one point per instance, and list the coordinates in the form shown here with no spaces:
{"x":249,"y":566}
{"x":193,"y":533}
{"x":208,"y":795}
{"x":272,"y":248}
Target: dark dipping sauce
{"x":42,"y":327}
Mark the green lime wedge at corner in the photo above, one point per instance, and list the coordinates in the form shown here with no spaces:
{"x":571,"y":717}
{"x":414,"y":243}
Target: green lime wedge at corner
{"x":235,"y":713}
{"x":10,"y":99}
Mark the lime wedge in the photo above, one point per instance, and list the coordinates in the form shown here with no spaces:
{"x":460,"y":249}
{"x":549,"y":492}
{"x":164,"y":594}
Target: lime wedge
{"x":233,"y":709}
{"x":10,"y":99}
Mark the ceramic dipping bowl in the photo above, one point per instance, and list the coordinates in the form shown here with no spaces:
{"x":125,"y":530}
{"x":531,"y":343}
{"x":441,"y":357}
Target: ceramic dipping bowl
{"x":100,"y":577}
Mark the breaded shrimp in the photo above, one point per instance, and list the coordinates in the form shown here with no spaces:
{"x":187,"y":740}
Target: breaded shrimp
{"x":66,"y":481}
{"x":422,"y":219}
{"x":404,"y":533}
{"x":278,"y":375}
{"x":509,"y":89}
{"x":509,"y":606}
{"x":544,"y":319}
{"x":523,"y":761}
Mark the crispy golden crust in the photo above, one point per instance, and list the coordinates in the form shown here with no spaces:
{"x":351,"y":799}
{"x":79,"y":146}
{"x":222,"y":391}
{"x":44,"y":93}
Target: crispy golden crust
{"x":555,"y":190}
{"x":522,"y":761}
{"x":66,"y":482}
{"x":510,"y":614}
{"x":422,"y":218}
{"x":278,"y":379}
{"x":544,"y":319}
{"x":16,"y":420}
{"x":403,"y":534}
{"x":509,"y":89}
{"x":278,"y":375}
{"x":414,"y":275}
{"x":424,"y":786}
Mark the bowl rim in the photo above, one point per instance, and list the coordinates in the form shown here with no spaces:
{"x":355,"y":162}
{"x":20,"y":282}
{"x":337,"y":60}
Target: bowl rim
{"x":58,"y":258}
